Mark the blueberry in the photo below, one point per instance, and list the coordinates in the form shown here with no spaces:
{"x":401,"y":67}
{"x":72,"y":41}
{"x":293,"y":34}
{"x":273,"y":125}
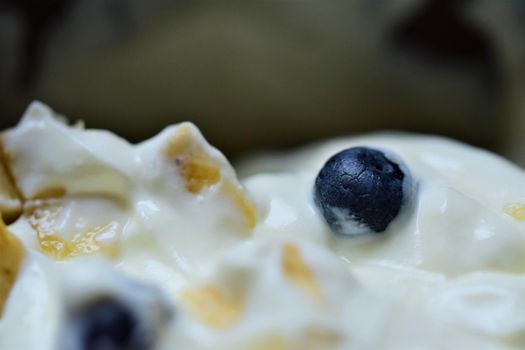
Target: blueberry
{"x":360,"y":190}
{"x":108,"y":324}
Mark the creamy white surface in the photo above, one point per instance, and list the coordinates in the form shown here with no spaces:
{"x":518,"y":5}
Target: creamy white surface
{"x":448,"y":273}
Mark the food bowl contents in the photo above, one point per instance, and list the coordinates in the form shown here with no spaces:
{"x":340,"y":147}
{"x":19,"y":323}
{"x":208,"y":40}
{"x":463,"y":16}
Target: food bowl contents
{"x":382,"y":241}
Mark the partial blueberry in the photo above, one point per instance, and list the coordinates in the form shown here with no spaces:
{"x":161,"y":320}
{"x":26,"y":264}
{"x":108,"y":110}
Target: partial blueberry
{"x":109,"y":324}
{"x":360,"y":190}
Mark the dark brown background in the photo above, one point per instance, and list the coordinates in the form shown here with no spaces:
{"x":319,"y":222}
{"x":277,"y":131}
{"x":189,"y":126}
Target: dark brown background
{"x":271,"y":73}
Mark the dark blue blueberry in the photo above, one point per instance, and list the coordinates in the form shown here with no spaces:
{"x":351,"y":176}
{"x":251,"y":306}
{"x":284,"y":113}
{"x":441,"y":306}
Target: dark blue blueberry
{"x":360,"y":190}
{"x":108,"y":324}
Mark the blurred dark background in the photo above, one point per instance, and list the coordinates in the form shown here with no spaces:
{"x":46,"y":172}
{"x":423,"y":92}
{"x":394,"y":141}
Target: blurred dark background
{"x":271,"y":73}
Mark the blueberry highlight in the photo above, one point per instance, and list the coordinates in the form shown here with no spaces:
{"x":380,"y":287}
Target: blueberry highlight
{"x":360,"y":190}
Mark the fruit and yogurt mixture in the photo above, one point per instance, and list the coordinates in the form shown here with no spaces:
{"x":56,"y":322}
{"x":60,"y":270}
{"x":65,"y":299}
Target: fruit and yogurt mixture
{"x":384,"y":241}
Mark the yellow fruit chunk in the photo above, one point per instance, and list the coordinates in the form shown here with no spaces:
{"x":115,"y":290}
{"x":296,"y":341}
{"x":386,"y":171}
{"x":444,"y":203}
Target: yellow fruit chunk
{"x":43,"y":217}
{"x":198,"y":169}
{"x":50,"y":193}
{"x":236,"y":193}
{"x":296,"y":270}
{"x":214,"y":307}
{"x":11,"y":256}
{"x":81,"y":244}
{"x":182,"y":142}
{"x":199,"y":173}
{"x":516,"y":210}
{"x":10,"y":202}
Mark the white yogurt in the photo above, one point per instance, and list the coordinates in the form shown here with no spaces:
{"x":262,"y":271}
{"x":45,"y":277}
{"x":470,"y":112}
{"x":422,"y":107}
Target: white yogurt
{"x":207,"y":263}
